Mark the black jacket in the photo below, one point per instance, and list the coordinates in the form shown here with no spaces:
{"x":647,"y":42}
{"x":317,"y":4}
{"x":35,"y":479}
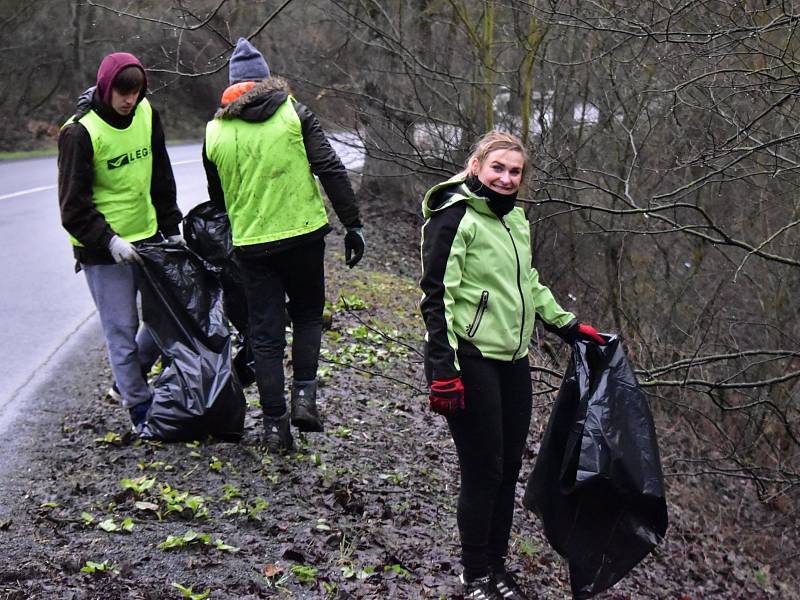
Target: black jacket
{"x":79,"y":216}
{"x":259,"y":104}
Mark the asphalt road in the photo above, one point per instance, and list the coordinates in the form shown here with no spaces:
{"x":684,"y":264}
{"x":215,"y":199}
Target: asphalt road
{"x":45,"y":307}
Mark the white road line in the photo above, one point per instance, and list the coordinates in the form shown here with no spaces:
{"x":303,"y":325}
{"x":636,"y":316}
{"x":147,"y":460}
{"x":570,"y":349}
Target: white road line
{"x":44,"y":188}
{"x":51,"y":187}
{"x":30,"y":191}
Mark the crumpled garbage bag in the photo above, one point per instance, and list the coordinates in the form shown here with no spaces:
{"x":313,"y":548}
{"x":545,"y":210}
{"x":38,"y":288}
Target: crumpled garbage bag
{"x":197,"y":394}
{"x":597,"y":482}
{"x":208,"y":232}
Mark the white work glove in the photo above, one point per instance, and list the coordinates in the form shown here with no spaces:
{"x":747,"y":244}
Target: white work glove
{"x":123,"y":252}
{"x":176,"y":239}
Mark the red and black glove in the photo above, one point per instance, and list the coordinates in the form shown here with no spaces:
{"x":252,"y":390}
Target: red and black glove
{"x":590,"y":334}
{"x":447,"y":396}
{"x":582,"y":332}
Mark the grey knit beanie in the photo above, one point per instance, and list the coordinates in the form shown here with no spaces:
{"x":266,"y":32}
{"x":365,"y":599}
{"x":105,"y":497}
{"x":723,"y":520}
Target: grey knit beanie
{"x":246,"y":64}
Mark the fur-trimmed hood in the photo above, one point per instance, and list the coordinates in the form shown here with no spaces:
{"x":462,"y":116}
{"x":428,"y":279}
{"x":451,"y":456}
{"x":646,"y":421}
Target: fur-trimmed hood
{"x":259,"y":103}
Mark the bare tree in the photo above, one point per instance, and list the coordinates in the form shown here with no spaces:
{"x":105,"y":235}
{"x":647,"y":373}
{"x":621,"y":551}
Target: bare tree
{"x":664,"y":198}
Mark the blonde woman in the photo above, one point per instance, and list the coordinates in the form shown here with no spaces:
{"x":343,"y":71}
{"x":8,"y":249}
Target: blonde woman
{"x":480,"y":299}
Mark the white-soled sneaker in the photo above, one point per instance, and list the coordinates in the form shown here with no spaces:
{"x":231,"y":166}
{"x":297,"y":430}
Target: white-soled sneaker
{"x":113,"y":393}
{"x":506,"y":587}
{"x":481,"y":588}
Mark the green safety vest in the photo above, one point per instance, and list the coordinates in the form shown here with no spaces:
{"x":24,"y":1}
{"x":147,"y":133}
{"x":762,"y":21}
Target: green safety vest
{"x":270,"y":192}
{"x":123,"y":169}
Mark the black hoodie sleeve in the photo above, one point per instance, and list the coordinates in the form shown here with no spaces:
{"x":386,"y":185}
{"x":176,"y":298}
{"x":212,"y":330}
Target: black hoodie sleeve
{"x":326,"y":165}
{"x":79,"y":216}
{"x":162,"y":185}
{"x":439,"y":239}
{"x":215,"y":193}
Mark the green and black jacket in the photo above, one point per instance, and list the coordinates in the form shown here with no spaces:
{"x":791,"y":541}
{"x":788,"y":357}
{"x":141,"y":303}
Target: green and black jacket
{"x":480,"y":293}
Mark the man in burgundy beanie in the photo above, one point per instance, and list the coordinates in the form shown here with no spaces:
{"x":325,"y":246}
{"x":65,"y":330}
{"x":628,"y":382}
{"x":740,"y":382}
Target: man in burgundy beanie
{"x":116,"y":189}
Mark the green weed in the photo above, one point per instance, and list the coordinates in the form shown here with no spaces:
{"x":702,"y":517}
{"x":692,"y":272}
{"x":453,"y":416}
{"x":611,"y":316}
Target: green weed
{"x":239,"y":509}
{"x":273,"y":578}
{"x":762,"y":577}
{"x":305,"y":573}
{"x":350,"y":302}
{"x":223,"y":547}
{"x":190,"y":538}
{"x":109,"y":438}
{"x":397,"y":569}
{"x":139,"y":485}
{"x":92,"y":567}
{"x":252,"y":509}
{"x":393,"y":478}
{"x":342,"y":432}
{"x":177,"y":501}
{"x":110,"y":526}
{"x":229,"y":492}
{"x":528,"y":548}
{"x":255,"y":507}
{"x":350,"y":572}
{"x":187,"y":592}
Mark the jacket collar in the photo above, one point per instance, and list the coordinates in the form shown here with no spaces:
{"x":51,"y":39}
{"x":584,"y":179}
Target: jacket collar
{"x":450,"y":192}
{"x":257,"y":104}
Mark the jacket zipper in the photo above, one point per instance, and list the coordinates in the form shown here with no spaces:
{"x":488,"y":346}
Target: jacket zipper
{"x":519,"y":287}
{"x":472,"y":328}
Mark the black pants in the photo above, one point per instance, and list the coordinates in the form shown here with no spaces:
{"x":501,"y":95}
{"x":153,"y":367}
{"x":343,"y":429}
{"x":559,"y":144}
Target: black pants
{"x":298,"y":273}
{"x":490,"y":437}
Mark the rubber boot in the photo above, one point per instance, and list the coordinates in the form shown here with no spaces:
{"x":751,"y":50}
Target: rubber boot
{"x":277,"y":435}
{"x":304,"y":406}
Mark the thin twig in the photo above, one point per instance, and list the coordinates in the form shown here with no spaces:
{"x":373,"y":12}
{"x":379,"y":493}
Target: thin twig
{"x":374,"y":374}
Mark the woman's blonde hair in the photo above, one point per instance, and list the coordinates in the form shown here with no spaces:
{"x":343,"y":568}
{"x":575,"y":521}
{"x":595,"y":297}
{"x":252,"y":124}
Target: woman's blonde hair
{"x":495,"y":140}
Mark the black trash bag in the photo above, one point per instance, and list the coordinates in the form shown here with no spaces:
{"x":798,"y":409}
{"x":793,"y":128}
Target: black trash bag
{"x":197,"y":394}
{"x":597,"y":483}
{"x":208,"y":232}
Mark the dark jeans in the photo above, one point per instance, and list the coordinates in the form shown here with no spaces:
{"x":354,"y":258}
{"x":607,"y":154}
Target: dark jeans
{"x":490,"y":437}
{"x":299,"y":274}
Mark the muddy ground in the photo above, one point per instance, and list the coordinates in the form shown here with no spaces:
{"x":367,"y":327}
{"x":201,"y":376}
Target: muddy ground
{"x":365,"y":510}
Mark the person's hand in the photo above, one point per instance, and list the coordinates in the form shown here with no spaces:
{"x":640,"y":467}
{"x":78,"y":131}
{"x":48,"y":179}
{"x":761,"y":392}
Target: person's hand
{"x":583,"y":332}
{"x":590,"y":334}
{"x":353,"y":246}
{"x":123,"y":252}
{"x":447,"y":396}
{"x":176,"y":239}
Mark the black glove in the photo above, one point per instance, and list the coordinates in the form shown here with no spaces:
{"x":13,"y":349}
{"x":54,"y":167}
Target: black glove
{"x":353,"y":246}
